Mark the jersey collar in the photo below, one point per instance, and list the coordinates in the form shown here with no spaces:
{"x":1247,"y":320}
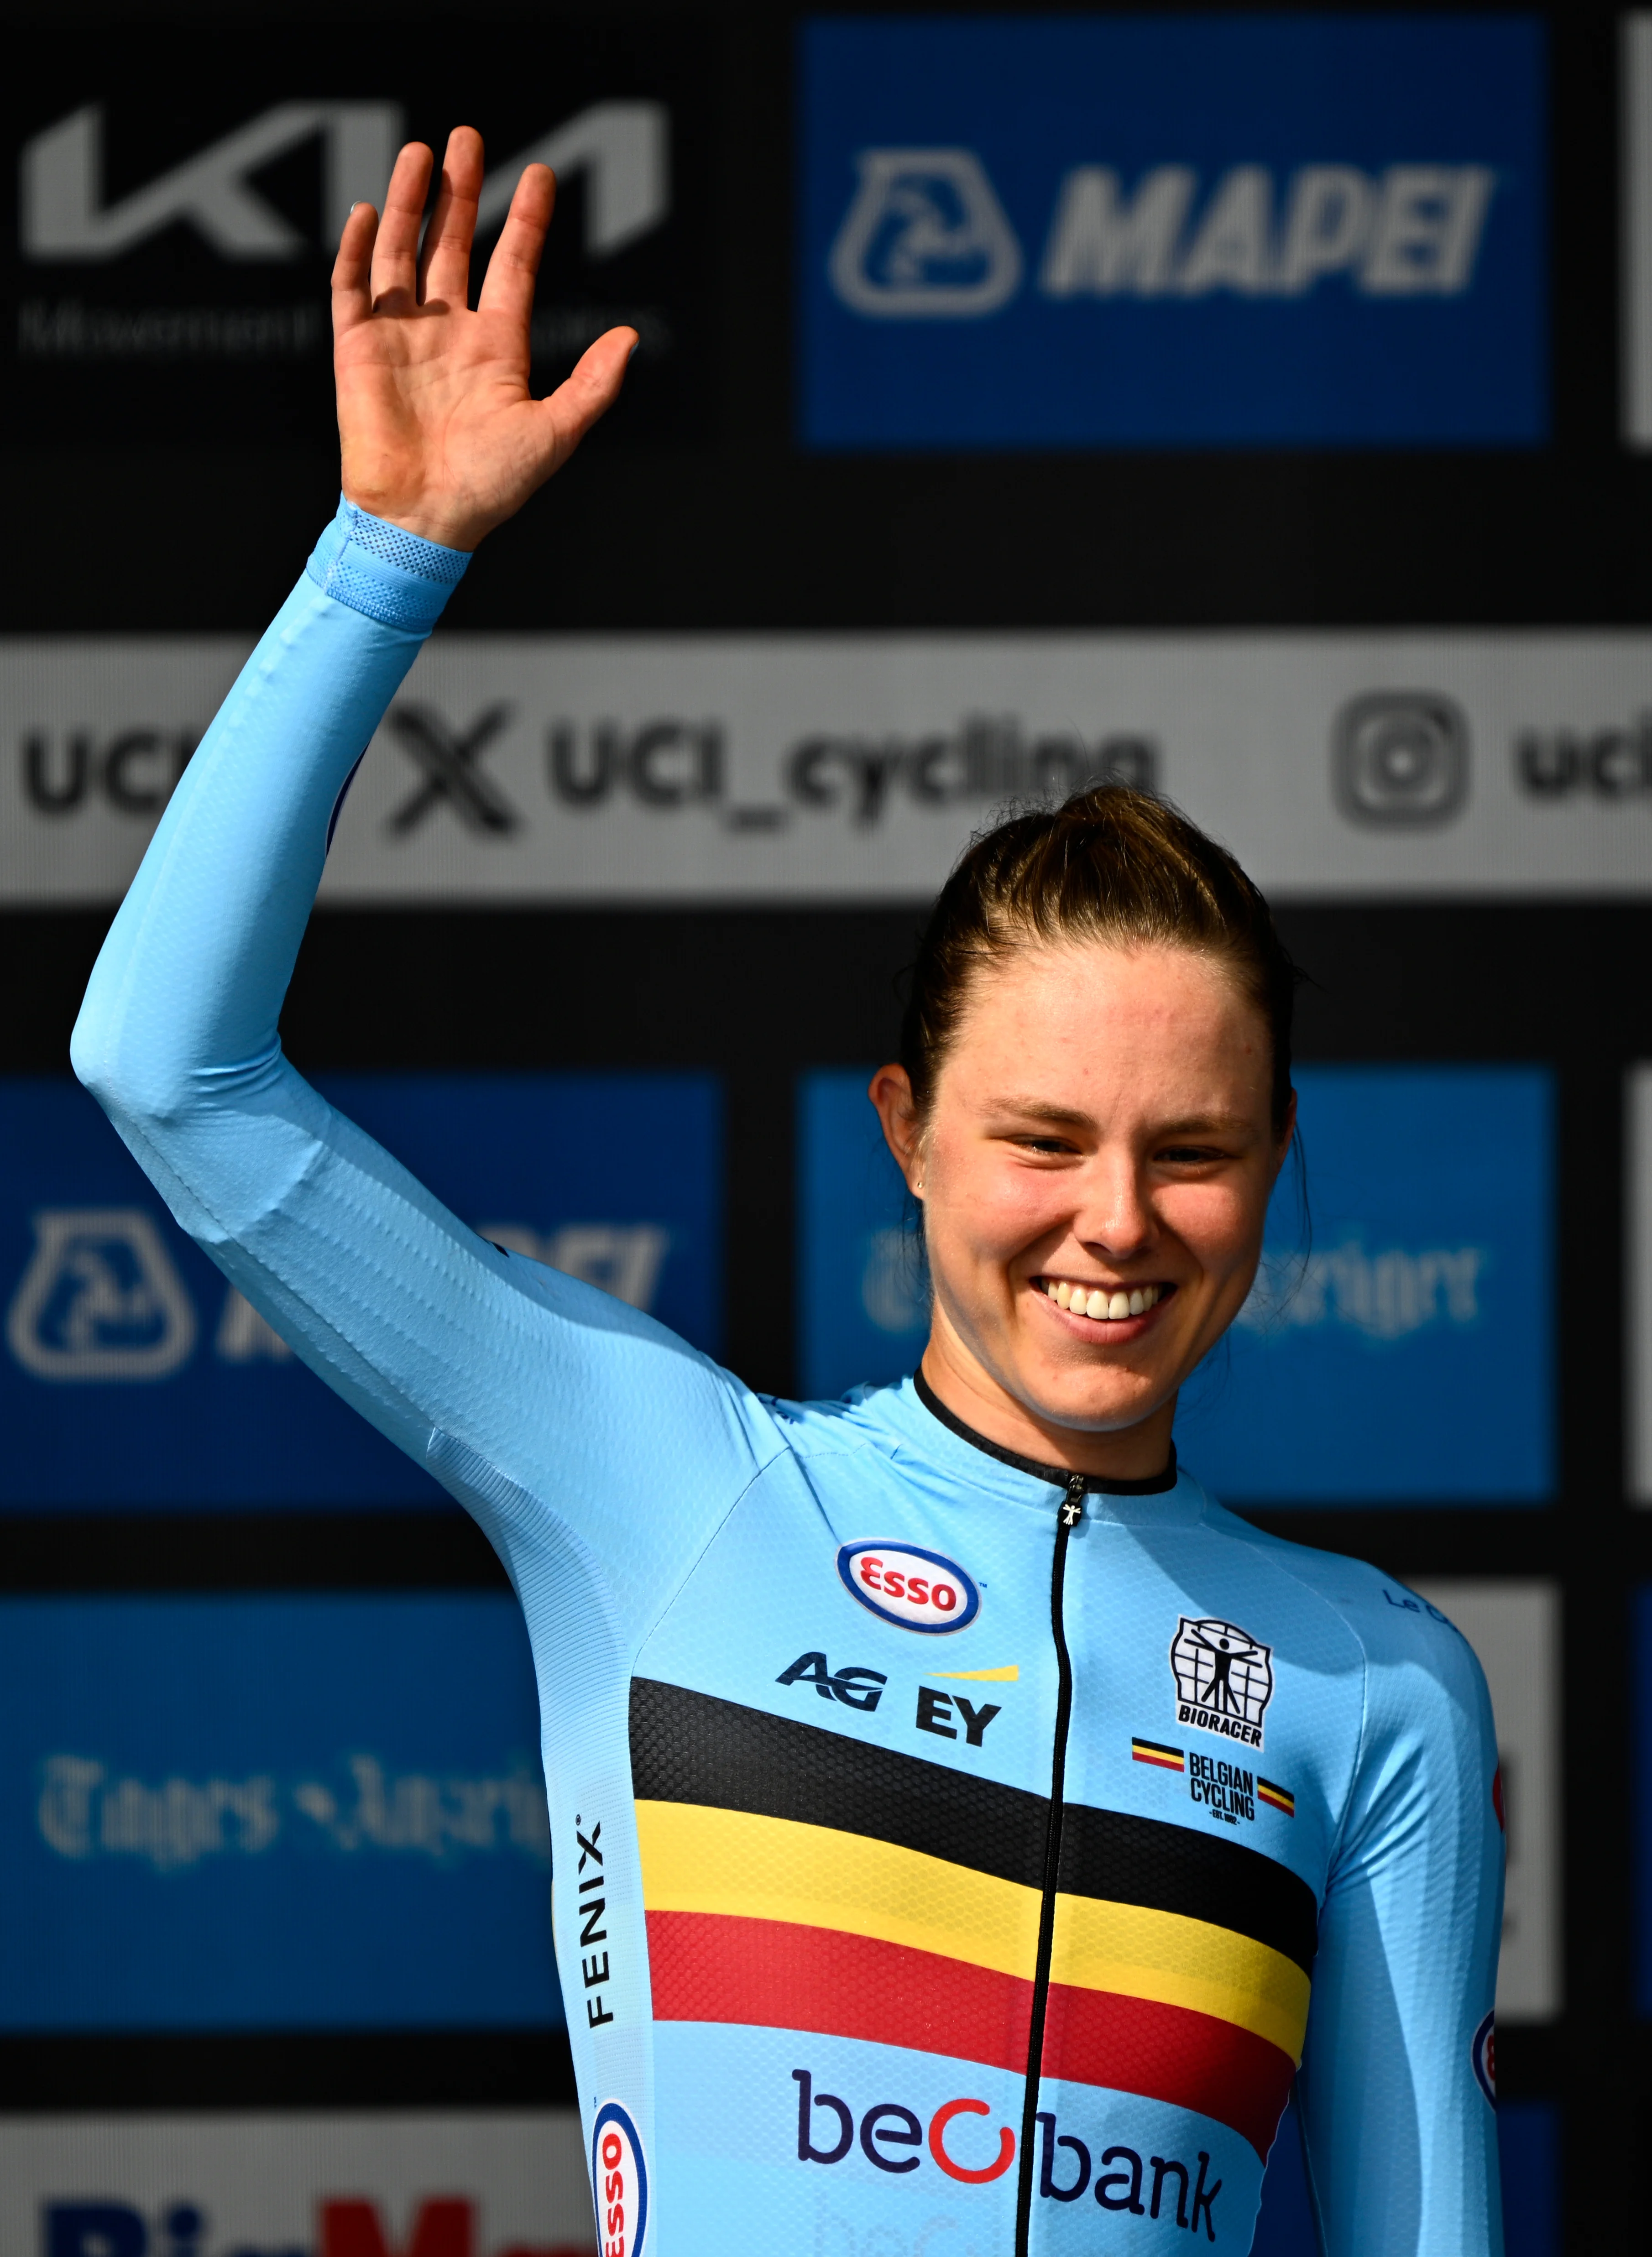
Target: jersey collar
{"x":1057,"y":1476}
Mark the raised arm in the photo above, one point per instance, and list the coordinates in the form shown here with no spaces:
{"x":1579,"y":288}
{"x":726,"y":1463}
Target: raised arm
{"x":513,"y":1385}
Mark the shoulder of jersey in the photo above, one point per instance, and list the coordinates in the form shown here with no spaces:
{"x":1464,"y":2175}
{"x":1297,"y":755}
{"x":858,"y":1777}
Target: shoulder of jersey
{"x":819,"y":1429}
{"x":1387,"y":1617}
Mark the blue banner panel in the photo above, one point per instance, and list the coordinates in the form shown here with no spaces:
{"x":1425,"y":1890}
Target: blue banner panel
{"x":1399,"y":1351}
{"x":271,"y":1814}
{"x":863,"y":1301}
{"x":1172,"y":231}
{"x":1402,"y":1350}
{"x":133,"y":1374}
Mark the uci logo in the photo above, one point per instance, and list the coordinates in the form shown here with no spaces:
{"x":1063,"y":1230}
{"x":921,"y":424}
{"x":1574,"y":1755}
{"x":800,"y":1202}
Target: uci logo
{"x":620,"y":2182}
{"x":907,"y":1586}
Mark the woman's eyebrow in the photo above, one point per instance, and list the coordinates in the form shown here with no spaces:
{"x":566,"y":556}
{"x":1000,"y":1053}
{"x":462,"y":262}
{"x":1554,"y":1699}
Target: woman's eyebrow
{"x":1035,"y":1108}
{"x":1067,"y":1116}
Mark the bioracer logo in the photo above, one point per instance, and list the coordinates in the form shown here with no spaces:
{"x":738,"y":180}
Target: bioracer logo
{"x":907,"y":1586}
{"x":619,"y":2182}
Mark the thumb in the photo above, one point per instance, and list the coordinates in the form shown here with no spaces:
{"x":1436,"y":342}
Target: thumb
{"x":586,"y":395}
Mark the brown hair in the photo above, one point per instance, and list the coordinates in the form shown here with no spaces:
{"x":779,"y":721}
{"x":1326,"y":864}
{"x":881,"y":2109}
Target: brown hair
{"x":1115,"y":864}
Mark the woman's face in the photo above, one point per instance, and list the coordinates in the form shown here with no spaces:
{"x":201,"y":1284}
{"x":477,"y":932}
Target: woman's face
{"x":1099,"y":1137}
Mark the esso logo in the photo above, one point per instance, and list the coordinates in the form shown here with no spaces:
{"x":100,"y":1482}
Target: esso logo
{"x":1483,"y":2055}
{"x":620,"y":2182}
{"x":917,"y":1589}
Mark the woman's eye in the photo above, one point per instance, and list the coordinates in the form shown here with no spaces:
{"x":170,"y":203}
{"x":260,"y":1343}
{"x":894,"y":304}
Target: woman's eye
{"x":1189,"y":1154}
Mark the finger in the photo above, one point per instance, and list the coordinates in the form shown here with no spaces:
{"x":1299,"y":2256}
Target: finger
{"x":590,"y":392}
{"x":444,"y":264}
{"x":508,"y":287}
{"x":395,"y":254}
{"x":352,"y":297}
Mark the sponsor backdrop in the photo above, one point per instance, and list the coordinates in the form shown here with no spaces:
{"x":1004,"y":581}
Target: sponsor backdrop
{"x":1396,"y":1345}
{"x":133,"y":1374}
{"x":1207,"y":233}
{"x":1255,"y":407}
{"x":843,"y":769}
{"x":272,"y":1812}
{"x":337,"y":2185}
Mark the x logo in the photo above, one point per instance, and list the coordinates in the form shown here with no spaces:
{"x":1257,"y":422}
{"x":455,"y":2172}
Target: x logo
{"x":453,"y":773}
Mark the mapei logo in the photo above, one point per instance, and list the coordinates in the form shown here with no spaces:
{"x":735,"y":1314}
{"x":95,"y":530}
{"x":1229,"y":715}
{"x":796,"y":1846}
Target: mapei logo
{"x":925,"y":237}
{"x":100,"y":1299}
{"x":1224,"y":1677}
{"x":621,"y":147}
{"x":903,"y":1584}
{"x":620,"y":2182}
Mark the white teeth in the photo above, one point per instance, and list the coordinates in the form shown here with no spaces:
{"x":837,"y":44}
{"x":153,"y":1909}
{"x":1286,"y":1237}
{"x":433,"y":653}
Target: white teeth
{"x":1107,"y":1308}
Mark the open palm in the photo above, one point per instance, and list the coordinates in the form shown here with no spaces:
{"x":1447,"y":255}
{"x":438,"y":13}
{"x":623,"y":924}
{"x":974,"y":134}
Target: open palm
{"x":438,"y":431}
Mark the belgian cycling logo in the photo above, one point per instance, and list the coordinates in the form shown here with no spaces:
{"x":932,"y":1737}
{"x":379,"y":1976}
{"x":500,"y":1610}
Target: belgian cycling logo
{"x":1483,"y":2054}
{"x":903,"y":1584}
{"x":925,"y":234}
{"x":620,"y":2182}
{"x":1224,"y":1678}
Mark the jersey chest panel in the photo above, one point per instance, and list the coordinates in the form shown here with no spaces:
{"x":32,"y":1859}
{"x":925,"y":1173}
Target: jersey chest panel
{"x":843,"y":1819}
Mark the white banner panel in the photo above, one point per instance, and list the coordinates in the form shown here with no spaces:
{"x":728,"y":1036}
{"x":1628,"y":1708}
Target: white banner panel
{"x":747,"y":768}
{"x":391,"y":2185}
{"x":1514,"y":1628}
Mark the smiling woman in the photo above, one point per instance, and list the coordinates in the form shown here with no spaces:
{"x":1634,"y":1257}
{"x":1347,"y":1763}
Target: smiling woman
{"x":1093,"y":1101}
{"x":815,"y":1892}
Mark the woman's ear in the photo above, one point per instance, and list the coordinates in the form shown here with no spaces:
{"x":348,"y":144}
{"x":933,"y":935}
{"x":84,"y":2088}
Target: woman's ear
{"x":890,"y":1091}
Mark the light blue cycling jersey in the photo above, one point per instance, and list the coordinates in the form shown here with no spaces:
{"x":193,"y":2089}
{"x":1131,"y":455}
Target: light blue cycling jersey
{"x":954,"y":1856}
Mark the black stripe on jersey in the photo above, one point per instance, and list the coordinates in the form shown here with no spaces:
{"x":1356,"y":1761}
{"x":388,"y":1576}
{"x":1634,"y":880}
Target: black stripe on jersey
{"x":688,"y":1747}
{"x":1142,"y":1861}
{"x":692,"y":1747}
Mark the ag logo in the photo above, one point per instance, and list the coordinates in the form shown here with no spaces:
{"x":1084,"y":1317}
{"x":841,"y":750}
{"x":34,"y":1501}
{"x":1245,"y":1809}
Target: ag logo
{"x":1483,"y":2052}
{"x":620,"y":2182}
{"x":100,"y":1299}
{"x":1224,"y":1678}
{"x":925,"y":234}
{"x":907,"y":1586}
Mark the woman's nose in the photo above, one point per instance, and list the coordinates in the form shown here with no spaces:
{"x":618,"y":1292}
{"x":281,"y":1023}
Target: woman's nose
{"x":1114,"y":1215}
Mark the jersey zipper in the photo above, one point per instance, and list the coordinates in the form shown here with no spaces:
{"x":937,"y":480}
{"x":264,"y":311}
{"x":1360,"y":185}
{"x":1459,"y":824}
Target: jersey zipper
{"x":1070,"y":1512}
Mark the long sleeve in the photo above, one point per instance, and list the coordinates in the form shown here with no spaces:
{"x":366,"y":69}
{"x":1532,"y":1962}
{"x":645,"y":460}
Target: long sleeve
{"x":558,"y":1415}
{"x":1400,"y":2136}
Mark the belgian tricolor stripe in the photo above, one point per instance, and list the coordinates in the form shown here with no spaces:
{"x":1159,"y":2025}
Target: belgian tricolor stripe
{"x":1280,"y":1797}
{"x":1149,"y":1751}
{"x":797,"y":1879}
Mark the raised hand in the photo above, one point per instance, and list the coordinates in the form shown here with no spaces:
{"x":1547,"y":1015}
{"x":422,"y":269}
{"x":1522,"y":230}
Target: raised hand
{"x":438,"y":431}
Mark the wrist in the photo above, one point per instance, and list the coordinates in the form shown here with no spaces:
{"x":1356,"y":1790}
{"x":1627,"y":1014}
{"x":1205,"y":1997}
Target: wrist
{"x":441,"y":526}
{"x":386,"y":571}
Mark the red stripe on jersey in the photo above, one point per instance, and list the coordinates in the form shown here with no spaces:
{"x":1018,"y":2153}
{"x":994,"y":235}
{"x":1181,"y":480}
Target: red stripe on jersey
{"x":717,"y":1967}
